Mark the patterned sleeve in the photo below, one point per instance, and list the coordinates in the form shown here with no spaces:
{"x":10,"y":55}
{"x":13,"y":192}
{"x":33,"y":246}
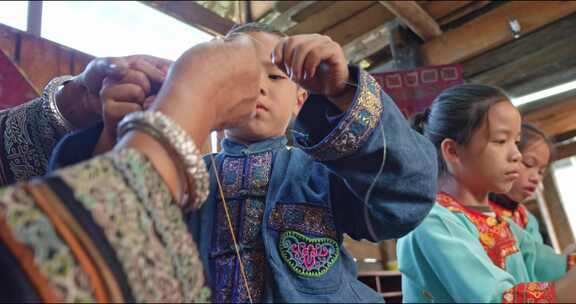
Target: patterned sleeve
{"x":105,"y":230}
{"x":383,"y":173}
{"x":531,"y":292}
{"x":27,"y":139}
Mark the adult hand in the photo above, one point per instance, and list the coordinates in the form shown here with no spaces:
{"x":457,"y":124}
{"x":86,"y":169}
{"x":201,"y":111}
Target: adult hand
{"x":79,"y":100}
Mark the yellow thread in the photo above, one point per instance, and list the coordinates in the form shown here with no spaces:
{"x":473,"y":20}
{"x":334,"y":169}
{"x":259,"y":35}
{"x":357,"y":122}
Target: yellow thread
{"x":231,"y":229}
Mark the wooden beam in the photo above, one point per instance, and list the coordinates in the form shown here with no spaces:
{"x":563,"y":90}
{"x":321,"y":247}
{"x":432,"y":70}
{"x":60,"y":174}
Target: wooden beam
{"x":492,"y":30}
{"x":462,"y":12}
{"x":364,"y":46}
{"x":554,"y":78}
{"x":414,"y":17}
{"x":283,"y":6}
{"x":367,"y":44}
{"x":284,"y":20}
{"x":365,"y":21}
{"x":441,"y":9}
{"x":315,"y":8}
{"x":564,"y":136}
{"x":544,"y":63}
{"x":193,"y":14}
{"x":565,"y":151}
{"x":34,"y":18}
{"x":554,"y":117}
{"x":258,"y":9}
{"x":329,"y":14}
{"x":405,"y":47}
{"x":519,"y":48}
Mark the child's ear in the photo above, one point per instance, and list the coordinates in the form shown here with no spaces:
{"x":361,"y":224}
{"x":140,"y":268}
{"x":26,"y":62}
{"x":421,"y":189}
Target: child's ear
{"x":449,"y":150}
{"x":301,"y":97}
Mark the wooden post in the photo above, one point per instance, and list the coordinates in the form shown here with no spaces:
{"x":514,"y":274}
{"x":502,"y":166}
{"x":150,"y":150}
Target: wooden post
{"x":555,"y":214}
{"x":405,"y":47}
{"x":34,"y":18}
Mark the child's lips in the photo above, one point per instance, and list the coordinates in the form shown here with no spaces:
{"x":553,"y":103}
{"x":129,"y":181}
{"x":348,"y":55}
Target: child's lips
{"x":260,"y":107}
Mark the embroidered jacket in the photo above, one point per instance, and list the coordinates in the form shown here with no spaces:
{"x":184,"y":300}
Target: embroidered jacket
{"x":26,"y":142}
{"x":104,"y":230}
{"x":460,"y":255}
{"x":518,"y":213}
{"x":289,"y":207}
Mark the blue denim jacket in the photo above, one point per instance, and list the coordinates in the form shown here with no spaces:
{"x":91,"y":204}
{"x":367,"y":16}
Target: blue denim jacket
{"x":314,"y":193}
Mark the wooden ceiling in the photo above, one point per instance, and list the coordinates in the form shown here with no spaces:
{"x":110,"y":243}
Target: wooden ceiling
{"x":476,"y":34}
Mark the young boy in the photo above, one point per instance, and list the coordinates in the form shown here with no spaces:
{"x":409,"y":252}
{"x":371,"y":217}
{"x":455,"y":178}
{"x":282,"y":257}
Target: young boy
{"x":290,"y":206}
{"x":358,"y":169}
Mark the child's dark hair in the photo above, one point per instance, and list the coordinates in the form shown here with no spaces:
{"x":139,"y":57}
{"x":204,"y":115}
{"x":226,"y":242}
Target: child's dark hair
{"x":532,"y":134}
{"x":456,"y":113}
{"x":255,"y":27}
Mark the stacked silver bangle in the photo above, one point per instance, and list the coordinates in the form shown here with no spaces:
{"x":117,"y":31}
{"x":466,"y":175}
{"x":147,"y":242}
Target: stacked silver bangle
{"x":51,"y":107}
{"x":178,"y":143}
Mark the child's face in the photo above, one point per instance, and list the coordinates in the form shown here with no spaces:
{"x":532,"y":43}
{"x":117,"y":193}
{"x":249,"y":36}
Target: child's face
{"x":490,"y":162}
{"x":280,"y":98}
{"x":535,"y":158}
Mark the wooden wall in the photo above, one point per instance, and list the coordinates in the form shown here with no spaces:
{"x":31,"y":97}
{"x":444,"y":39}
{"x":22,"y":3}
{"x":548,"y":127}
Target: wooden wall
{"x":40,"y":59}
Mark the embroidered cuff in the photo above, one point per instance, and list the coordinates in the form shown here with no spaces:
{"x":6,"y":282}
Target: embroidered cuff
{"x":571,"y":261}
{"x":531,"y":292}
{"x":125,"y":183}
{"x":354,"y":128}
{"x":28,"y":140}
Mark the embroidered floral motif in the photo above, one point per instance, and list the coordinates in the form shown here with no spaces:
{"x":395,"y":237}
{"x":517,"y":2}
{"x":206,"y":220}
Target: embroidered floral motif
{"x":30,"y":226}
{"x":28,"y":140}
{"x":127,"y":226}
{"x":245,"y":182}
{"x":229,"y":285}
{"x":256,"y":168}
{"x":518,"y":215}
{"x":532,"y":292}
{"x":168,"y":221}
{"x":494,"y":233}
{"x":232,"y":170}
{"x":356,"y":126}
{"x":306,"y":256}
{"x":259,"y":166}
{"x":304,"y":218}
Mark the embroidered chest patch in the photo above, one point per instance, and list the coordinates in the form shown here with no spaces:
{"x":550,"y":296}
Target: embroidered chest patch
{"x":306,"y":256}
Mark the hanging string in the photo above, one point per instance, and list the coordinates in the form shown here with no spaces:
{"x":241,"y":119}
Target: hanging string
{"x":231,"y":229}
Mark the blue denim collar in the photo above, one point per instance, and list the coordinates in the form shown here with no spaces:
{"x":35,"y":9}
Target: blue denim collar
{"x":236,"y":149}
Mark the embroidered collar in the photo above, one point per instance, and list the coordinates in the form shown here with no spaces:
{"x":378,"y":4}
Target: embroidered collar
{"x":519,"y":215}
{"x":494,"y":232}
{"x":236,"y":149}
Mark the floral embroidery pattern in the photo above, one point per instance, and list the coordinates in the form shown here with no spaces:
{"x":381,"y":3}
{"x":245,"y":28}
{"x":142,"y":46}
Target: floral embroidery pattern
{"x":256,"y":168}
{"x":495,"y":234}
{"x":304,"y":218}
{"x":518,"y":215}
{"x":306,"y":256}
{"x":532,"y":292}
{"x":28,"y":140}
{"x":356,"y":126}
{"x":168,"y":221}
{"x":127,"y":225}
{"x":30,"y":226}
{"x":245,"y":182}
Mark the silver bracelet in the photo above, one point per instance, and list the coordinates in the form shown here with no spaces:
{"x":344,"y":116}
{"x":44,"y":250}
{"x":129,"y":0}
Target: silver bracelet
{"x":51,"y":107}
{"x":177,"y":141}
